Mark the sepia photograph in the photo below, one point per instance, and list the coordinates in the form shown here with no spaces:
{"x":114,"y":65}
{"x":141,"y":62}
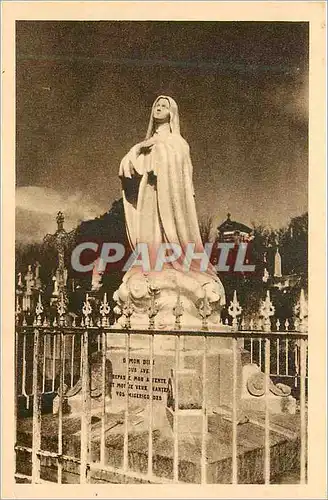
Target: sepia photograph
{"x":161,"y":251}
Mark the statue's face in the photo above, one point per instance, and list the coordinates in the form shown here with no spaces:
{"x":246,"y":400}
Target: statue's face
{"x":162,"y":110}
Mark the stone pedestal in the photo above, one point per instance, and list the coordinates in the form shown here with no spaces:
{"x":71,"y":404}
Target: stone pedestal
{"x":167,"y":297}
{"x":133,"y":374}
{"x":183,"y":304}
{"x":218,"y":373}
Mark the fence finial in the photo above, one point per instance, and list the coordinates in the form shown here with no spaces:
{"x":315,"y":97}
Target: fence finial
{"x":18,"y":310}
{"x":104,"y":311}
{"x":234,"y":311}
{"x":39,"y":311}
{"x":24,"y":322}
{"x":301,"y":313}
{"x":86,"y":310}
{"x":128,"y":311}
{"x":267,"y":310}
{"x":61,"y":308}
{"x":178,"y":311}
{"x":153,"y":308}
{"x":205,"y":311}
{"x":19,"y":282}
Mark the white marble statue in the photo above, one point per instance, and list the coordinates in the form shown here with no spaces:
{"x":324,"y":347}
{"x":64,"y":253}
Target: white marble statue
{"x":159,"y":207}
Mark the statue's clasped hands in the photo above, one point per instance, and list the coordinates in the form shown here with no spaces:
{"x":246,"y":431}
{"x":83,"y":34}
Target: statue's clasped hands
{"x":145,"y":146}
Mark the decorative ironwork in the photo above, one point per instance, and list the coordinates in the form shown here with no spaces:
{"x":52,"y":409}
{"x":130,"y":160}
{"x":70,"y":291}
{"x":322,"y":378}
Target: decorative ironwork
{"x":297,"y":364}
{"x":104,"y":311}
{"x":260,"y":384}
{"x":301,"y":312}
{"x":61,"y":308}
{"x":153,"y":308}
{"x":60,"y":241}
{"x":24,"y":322}
{"x":19,"y":282}
{"x":234,"y":310}
{"x":29,"y":280}
{"x":39,"y":311}
{"x":178,"y":311}
{"x":259,"y":324}
{"x":205,"y":311}
{"x":43,"y":380}
{"x":60,"y":220}
{"x":86,"y":310}
{"x":267,"y":310}
{"x":128,"y":311}
{"x":18,"y":310}
{"x":37,"y":276}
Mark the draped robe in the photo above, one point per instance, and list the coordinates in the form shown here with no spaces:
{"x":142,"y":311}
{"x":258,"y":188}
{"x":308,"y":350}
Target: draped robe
{"x":158,"y":198}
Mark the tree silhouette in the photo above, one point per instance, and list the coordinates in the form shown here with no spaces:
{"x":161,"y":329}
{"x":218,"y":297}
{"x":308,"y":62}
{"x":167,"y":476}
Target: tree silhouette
{"x":206,"y":228}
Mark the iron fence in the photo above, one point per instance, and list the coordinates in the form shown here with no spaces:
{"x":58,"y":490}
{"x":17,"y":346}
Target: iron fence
{"x":54,"y":380}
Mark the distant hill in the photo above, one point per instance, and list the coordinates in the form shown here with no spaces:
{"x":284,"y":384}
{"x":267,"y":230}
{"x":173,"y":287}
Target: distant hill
{"x":108,"y":227}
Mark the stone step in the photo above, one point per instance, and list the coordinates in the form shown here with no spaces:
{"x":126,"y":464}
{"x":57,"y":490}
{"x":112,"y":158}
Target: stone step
{"x":250,"y":450}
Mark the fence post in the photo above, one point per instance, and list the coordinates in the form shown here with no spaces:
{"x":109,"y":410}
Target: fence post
{"x":104,"y":311}
{"x":267,"y":310}
{"x":234,"y":412}
{"x":267,"y":414}
{"x":204,"y":415}
{"x":126,"y":412}
{"x":176,"y":412}
{"x":303,"y":417}
{"x":150,"y":416}
{"x":36,"y":422}
{"x":60,"y":409}
{"x":85,"y":416}
{"x":103,"y":395}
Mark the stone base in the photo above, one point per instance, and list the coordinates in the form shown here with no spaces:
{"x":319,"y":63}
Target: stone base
{"x":170,"y":296}
{"x":189,"y":422}
{"x":73,"y":405}
{"x":218,"y":375}
{"x":219,"y":381}
{"x":276,"y":403}
{"x":283,"y":439}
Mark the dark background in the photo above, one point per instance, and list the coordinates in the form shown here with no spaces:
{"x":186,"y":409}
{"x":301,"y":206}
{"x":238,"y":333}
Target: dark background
{"x":84,"y":92}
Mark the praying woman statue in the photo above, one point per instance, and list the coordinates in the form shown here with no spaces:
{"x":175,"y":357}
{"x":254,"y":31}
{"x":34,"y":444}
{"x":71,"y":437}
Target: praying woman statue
{"x":159,"y":206}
